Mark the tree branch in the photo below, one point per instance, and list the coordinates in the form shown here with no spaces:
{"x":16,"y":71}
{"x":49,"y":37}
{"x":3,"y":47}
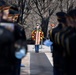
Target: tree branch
{"x":36,"y":3}
{"x":50,"y":13}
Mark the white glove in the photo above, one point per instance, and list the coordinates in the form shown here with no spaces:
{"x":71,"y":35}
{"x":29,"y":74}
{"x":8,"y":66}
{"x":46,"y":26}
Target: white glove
{"x":20,"y":54}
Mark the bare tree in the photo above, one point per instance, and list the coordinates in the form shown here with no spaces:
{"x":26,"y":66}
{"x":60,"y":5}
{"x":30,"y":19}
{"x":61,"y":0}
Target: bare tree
{"x":70,"y":5}
{"x":67,"y":5}
{"x":24,"y":9}
{"x":44,"y":8}
{"x":61,"y":5}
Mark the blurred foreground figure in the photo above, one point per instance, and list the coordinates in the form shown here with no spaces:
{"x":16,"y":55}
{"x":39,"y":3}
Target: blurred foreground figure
{"x":64,"y":44}
{"x":13,"y":45}
{"x":57,"y":52}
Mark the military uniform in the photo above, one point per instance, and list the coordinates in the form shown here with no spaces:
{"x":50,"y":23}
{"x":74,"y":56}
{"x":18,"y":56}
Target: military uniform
{"x":57,"y":56}
{"x":67,"y":44}
{"x":6,"y":41}
{"x":70,"y":51}
{"x":18,"y":43}
{"x":20,"y":37}
{"x":70,"y":46}
{"x":61,"y":42}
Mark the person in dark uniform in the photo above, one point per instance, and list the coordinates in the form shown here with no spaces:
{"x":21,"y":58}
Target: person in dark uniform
{"x":20,"y":46}
{"x":62,"y":40}
{"x":20,"y":38}
{"x":61,"y":35}
{"x":56,"y":48}
{"x":19,"y":34}
{"x":70,"y":44}
{"x":6,"y":44}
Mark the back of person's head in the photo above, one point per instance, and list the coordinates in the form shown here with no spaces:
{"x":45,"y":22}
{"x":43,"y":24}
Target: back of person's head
{"x":15,"y":12}
{"x":71,"y":13}
{"x":61,"y":14}
{"x":61,"y":18}
{"x":71,"y":16}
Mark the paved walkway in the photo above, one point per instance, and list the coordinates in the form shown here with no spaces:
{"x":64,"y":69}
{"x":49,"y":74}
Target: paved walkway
{"x":44,"y":49}
{"x":37,"y":63}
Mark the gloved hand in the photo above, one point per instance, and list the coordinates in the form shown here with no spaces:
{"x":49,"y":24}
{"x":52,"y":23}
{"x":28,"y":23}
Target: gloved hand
{"x":47,"y":42}
{"x":20,"y":54}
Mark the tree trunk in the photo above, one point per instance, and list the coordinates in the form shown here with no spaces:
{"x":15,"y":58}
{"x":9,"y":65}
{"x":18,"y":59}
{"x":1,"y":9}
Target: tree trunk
{"x":61,"y":7}
{"x":44,"y":25}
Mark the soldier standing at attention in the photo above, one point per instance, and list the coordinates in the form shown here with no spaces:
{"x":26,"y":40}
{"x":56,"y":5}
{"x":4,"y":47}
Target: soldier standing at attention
{"x":37,"y":36}
{"x":20,"y":39}
{"x":70,"y":43}
{"x":57,"y":48}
